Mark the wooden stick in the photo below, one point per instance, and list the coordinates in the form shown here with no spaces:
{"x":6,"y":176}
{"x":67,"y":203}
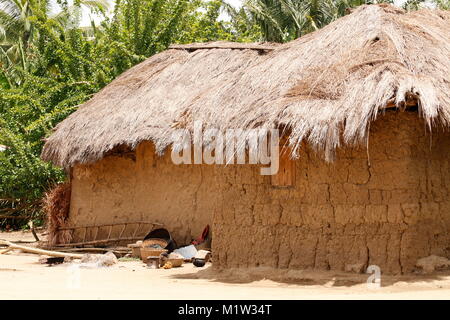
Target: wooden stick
{"x":6,"y":250}
{"x":18,"y":241}
{"x":136,"y":230}
{"x":39,"y":251}
{"x":124,"y":250}
{"x":31,"y":225}
{"x":242,"y":46}
{"x":96,"y":250}
{"x":121,"y":232}
{"x":97,"y":242}
{"x":96,"y":233}
{"x":109,"y":233}
{"x":109,"y":224}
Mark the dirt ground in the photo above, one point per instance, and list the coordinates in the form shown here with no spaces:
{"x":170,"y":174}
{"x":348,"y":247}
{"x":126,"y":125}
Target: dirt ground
{"x":23,"y":277}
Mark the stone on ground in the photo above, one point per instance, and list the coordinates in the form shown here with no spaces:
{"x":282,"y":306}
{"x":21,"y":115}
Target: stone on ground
{"x":433,"y":263}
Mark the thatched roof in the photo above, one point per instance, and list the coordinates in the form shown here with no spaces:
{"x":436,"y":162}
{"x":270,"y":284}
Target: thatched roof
{"x":325,"y":87}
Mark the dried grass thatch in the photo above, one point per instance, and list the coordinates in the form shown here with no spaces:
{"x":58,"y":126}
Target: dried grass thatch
{"x":56,"y":205}
{"x":325,"y":87}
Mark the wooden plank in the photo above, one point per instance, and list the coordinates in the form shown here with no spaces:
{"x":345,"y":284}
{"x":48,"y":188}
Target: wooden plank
{"x":236,"y":46}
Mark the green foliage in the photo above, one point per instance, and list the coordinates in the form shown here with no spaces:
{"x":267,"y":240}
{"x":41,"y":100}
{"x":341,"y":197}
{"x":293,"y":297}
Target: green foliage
{"x":147,"y":27}
{"x":417,"y":4}
{"x":286,"y":20}
{"x":443,"y":4}
{"x":58,"y":65}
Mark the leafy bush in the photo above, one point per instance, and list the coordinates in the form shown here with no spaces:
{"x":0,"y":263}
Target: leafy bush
{"x":57,"y":66}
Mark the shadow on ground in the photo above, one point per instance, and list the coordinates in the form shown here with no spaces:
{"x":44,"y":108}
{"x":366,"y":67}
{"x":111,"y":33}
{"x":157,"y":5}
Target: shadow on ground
{"x":308,"y":277}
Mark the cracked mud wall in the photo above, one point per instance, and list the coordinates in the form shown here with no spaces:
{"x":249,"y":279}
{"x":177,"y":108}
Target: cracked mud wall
{"x":121,"y":189}
{"x":389,"y":213}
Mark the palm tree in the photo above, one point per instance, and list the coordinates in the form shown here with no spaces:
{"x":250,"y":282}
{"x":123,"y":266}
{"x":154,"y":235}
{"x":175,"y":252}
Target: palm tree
{"x":71,"y":15}
{"x":285,"y":20}
{"x":17,"y":31}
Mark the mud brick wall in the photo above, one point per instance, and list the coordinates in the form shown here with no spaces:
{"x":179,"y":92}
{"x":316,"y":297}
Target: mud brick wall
{"x":121,"y":189}
{"x":388,"y":213}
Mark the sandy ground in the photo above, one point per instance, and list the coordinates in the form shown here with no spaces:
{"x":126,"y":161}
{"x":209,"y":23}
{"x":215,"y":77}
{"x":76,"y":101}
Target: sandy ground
{"x":23,"y":277}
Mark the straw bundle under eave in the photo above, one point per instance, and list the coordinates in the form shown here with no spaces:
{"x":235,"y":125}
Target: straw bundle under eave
{"x":56,"y":204}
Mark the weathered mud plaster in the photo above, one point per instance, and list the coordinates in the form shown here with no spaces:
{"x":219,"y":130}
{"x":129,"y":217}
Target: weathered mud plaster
{"x":147,"y":188}
{"x":388,"y":211}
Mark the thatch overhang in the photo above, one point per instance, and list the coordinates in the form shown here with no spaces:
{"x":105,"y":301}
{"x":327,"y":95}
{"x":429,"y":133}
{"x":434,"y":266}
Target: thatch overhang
{"x":325,"y":87}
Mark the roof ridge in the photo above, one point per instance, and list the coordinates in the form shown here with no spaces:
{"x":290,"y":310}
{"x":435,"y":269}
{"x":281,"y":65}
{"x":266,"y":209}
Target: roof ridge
{"x":222,"y":45}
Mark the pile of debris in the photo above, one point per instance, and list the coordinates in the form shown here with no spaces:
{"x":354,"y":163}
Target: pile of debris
{"x":156,"y":250}
{"x":159,"y":250}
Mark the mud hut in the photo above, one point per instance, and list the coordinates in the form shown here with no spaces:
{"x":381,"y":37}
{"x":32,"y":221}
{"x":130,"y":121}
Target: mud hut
{"x":364,"y":105}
